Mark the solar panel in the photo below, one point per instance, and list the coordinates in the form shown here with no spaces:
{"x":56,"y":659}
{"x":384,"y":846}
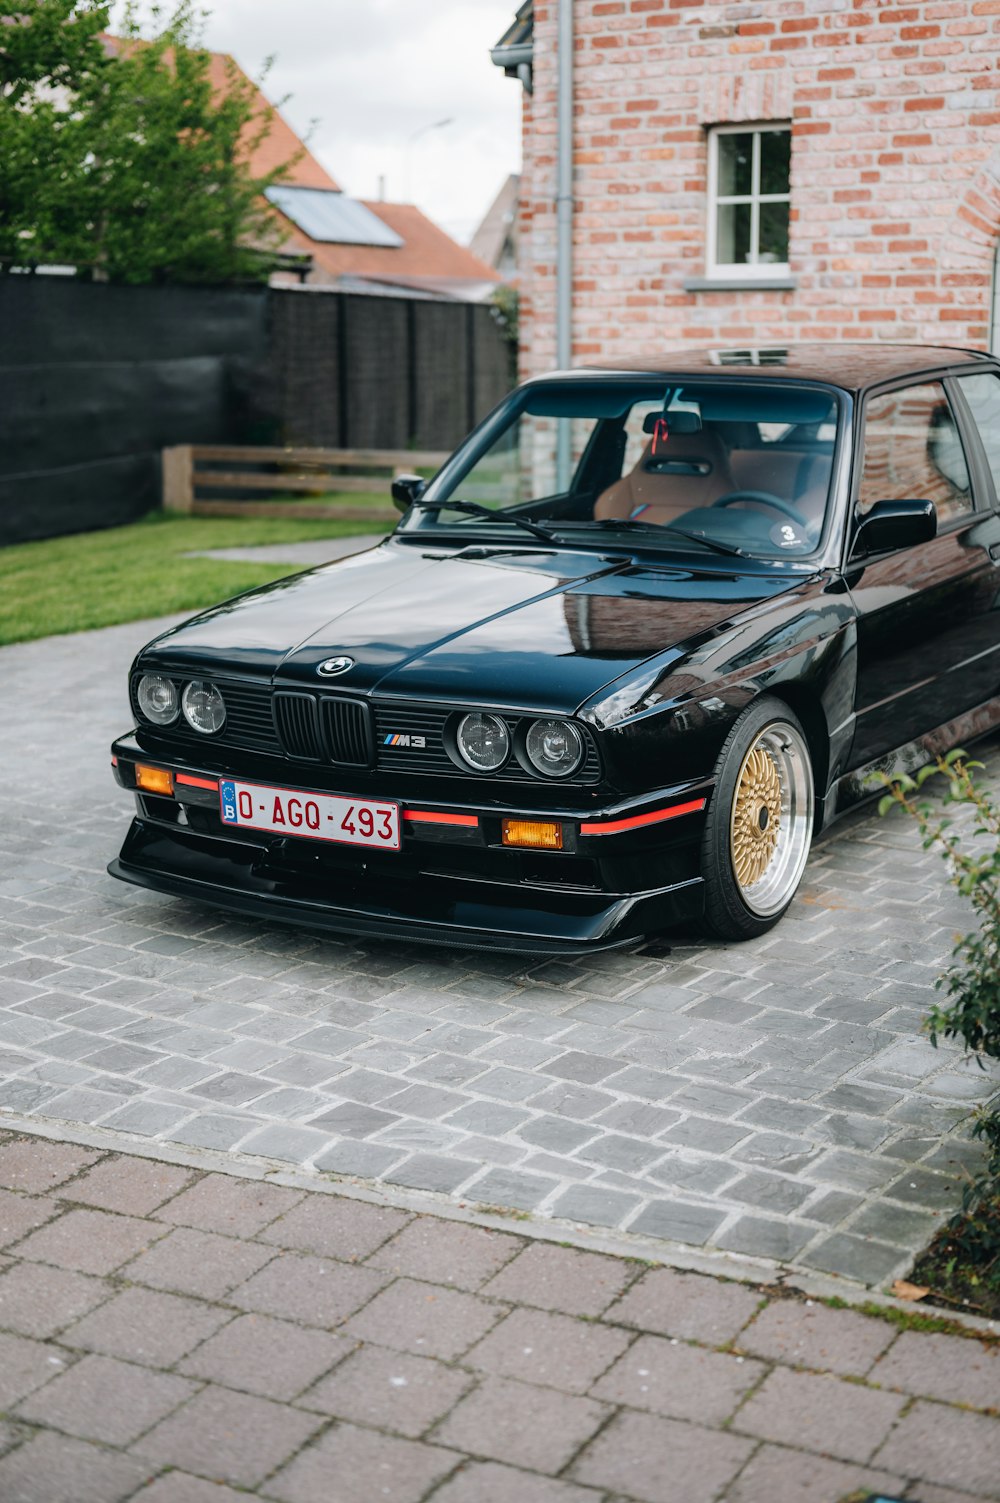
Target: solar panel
{"x":331,"y":217}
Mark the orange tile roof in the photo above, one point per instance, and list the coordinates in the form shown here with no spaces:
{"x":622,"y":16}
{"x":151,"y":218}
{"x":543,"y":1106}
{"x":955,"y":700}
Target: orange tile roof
{"x":427,"y":251}
{"x":281,"y":142}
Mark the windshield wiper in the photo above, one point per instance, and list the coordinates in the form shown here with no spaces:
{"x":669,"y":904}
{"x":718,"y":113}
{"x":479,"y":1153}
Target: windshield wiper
{"x":700,"y":537}
{"x":473,"y":509}
{"x":628,"y":524}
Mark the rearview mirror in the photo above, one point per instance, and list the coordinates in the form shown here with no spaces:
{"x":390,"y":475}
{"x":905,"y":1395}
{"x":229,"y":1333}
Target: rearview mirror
{"x":406,"y":489}
{"x":890,"y":525}
{"x":677,"y":422}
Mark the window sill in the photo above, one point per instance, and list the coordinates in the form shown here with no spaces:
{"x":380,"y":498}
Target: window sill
{"x":783,"y":283}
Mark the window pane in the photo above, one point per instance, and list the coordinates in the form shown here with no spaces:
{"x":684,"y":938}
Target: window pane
{"x":912,"y":451}
{"x":521,"y":464}
{"x":775,"y":160}
{"x":983,"y":396}
{"x":733,"y":239}
{"x":735,"y":164}
{"x":773,"y":232}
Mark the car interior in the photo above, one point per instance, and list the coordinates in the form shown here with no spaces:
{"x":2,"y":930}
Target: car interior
{"x":709,"y":468}
{"x":745,"y":469}
{"x":738,"y":468}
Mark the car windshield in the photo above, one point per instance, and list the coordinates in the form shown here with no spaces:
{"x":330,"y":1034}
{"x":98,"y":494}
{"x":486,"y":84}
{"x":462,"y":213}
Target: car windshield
{"x":724,"y":466}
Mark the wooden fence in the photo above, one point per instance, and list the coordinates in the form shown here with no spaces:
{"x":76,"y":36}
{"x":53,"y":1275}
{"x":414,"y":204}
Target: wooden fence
{"x":188,"y":468}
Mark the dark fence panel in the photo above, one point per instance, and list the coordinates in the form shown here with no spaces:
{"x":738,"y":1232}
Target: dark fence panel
{"x":302,"y":381}
{"x":77,"y":498}
{"x":87,"y":411}
{"x":95,"y":381}
{"x":382,"y":372}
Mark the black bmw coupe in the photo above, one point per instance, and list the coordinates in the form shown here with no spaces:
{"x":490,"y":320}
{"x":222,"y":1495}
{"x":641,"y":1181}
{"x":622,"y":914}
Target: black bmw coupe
{"x":649,"y":629}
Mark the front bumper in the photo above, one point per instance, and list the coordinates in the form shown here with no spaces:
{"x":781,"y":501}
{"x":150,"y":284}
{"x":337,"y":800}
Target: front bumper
{"x":628,"y":870}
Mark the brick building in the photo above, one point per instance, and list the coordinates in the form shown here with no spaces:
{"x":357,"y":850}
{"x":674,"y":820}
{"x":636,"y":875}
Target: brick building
{"x":748,"y":174}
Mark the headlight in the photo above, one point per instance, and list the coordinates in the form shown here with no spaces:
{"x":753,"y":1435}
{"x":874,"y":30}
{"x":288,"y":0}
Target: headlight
{"x":203,"y":706}
{"x":554,"y":747}
{"x":483,"y":741}
{"x":158,"y":699}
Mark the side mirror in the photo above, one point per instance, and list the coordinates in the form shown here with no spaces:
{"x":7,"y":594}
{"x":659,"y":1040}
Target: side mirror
{"x":406,"y":489}
{"x":890,"y":525}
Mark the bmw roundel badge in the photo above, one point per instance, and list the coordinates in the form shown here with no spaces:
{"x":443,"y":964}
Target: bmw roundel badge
{"x":332,"y":666}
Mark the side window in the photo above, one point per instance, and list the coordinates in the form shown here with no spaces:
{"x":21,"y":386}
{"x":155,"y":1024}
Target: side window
{"x":912,"y":451}
{"x":982,"y":393}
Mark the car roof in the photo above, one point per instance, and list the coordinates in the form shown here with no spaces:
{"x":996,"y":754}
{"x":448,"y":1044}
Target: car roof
{"x":850,"y":366}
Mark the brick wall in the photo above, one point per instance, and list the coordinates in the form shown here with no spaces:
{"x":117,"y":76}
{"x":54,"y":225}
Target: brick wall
{"x":895,"y":174}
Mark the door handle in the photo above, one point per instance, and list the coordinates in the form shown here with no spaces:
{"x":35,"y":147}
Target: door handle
{"x":994,"y":551}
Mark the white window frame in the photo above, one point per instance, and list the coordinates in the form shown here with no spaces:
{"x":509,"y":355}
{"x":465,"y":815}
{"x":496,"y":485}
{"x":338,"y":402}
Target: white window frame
{"x":752,"y":270}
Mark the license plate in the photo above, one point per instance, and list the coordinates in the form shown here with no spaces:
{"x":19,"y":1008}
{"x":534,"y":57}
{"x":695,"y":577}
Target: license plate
{"x":311,"y":816}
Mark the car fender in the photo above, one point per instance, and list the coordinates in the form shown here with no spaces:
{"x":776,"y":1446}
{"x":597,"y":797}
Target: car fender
{"x":669,"y":722}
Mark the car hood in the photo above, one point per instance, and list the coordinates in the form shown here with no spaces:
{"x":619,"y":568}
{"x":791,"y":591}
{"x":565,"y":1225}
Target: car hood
{"x":518,"y":626}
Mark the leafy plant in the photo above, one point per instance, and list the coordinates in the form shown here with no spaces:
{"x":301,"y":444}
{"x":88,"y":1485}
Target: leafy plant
{"x":505,"y":303}
{"x":972,"y":984}
{"x":124,"y":157}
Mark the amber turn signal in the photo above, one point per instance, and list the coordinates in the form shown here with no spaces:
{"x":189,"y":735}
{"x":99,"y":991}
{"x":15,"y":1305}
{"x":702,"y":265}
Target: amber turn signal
{"x":154,"y":779}
{"x":538,"y":834}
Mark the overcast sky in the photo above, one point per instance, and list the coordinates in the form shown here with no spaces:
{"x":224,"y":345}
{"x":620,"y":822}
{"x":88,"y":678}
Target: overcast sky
{"x":371,"y":74}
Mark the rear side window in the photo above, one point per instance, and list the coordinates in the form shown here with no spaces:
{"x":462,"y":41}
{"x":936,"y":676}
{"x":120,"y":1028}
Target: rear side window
{"x":982,"y":393}
{"x":913,"y":452}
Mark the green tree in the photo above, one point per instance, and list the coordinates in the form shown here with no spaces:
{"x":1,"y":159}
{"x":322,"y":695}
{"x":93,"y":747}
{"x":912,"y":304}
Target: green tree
{"x":136,"y":167}
{"x":50,"y":50}
{"x":50,"y":43}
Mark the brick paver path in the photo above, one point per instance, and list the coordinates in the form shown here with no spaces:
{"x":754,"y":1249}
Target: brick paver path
{"x":772,"y":1099}
{"x":175,"y":1336}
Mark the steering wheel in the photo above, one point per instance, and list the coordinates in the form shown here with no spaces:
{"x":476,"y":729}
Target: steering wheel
{"x":765,"y":498}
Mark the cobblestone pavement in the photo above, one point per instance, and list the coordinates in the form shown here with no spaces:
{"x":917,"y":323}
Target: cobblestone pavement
{"x":175,"y":1336}
{"x":772,"y":1099}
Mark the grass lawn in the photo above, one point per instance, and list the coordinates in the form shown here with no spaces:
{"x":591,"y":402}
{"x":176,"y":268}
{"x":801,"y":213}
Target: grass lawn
{"x":121,"y":574}
{"x":366,"y":499}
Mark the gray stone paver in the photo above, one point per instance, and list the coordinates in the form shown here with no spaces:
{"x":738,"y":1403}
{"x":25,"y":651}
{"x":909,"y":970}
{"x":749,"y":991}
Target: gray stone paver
{"x":637,"y":1383}
{"x":791,"y":1068}
{"x":660,"y":1460}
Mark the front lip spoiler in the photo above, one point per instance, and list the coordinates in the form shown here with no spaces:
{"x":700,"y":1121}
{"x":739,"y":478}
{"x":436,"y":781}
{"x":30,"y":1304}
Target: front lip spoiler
{"x":492,"y":917}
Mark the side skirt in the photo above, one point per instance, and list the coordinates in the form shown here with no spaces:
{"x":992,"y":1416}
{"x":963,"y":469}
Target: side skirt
{"x":855,"y":787}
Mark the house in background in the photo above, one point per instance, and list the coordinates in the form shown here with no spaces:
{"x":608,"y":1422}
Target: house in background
{"x":356,"y":245}
{"x":755,"y":174}
{"x":495,"y":241}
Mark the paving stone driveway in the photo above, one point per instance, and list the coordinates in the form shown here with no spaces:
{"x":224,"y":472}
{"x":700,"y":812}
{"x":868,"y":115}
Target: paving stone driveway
{"x":172,"y":1336}
{"x":772,"y":1099}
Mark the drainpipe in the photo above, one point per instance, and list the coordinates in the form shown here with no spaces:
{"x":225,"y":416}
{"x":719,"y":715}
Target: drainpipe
{"x":564,"y":225}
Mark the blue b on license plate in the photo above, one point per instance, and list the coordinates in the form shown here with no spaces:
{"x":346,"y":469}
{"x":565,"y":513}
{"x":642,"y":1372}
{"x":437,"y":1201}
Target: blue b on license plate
{"x":313,"y":816}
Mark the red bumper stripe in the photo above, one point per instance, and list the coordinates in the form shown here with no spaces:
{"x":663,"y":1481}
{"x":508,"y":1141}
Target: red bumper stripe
{"x":184,"y":777}
{"x":637,"y":820}
{"x":428,"y":817}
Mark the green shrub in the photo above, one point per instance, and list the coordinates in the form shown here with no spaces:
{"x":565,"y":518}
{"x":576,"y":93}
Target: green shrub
{"x":972,"y":982}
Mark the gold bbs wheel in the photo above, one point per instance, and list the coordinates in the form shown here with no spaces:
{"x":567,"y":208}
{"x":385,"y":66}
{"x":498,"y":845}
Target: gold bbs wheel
{"x":770,"y":821}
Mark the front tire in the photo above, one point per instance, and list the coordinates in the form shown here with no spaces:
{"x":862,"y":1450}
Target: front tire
{"x":760,"y":822}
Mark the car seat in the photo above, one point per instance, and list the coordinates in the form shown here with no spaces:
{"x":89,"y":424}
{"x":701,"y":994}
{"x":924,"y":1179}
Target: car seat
{"x":689,"y":471}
